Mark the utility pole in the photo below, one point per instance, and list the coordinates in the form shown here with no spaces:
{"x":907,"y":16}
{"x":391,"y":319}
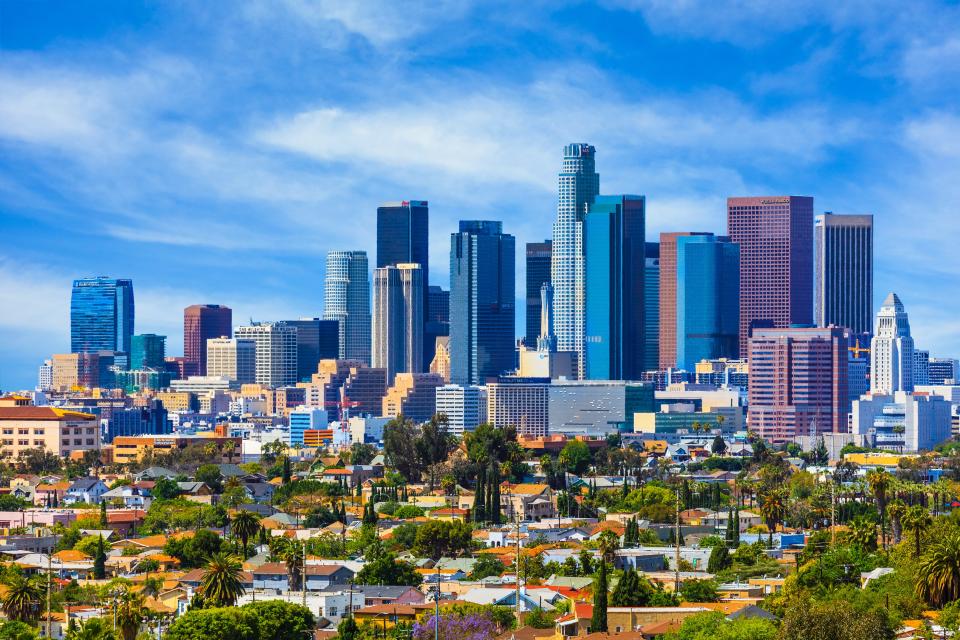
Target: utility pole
{"x":49,"y":586}
{"x":516,"y":519}
{"x":303,"y":576}
{"x":676,"y":572}
{"x":436,"y":614}
{"x":833,"y":512}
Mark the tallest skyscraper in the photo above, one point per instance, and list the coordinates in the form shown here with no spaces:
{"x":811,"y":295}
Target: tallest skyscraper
{"x":578,"y":185}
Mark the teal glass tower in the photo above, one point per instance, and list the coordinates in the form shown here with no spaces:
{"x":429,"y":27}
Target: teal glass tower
{"x":708,"y":299}
{"x":615,"y":256}
{"x":101,"y":315}
{"x":482,"y":302}
{"x":147,"y":351}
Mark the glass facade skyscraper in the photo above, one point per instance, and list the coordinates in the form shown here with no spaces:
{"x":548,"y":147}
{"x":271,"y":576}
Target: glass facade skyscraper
{"x":708,"y":294}
{"x":538,"y":274}
{"x":147,"y":351}
{"x":316,"y":340}
{"x":651,"y":307}
{"x":482,"y":302}
{"x":403,"y":237}
{"x":101,"y":315}
{"x":615,"y":257}
{"x":346,"y":299}
{"x":843,"y":271}
{"x":578,"y":185}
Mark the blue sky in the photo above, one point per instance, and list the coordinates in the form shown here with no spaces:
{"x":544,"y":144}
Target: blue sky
{"x":214,"y":152}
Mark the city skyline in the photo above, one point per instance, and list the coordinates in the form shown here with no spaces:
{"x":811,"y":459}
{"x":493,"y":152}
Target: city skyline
{"x":77,"y":202}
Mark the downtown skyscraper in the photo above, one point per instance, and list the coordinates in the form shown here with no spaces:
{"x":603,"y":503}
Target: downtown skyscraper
{"x":101,"y":315}
{"x":403,"y":237}
{"x":843,"y":271}
{"x":539,"y":258}
{"x":615,"y":256}
{"x":891,"y":349}
{"x":775,"y":234}
{"x":702,"y":276}
{"x":578,"y":185}
{"x":202,"y":322}
{"x":398,"y":319}
{"x":346,"y":299}
{"x":482,"y":301}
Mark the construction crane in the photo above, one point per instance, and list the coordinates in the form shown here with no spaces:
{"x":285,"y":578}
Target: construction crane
{"x":856,"y":349}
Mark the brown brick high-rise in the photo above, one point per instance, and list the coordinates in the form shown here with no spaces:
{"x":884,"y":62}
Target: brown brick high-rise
{"x":201,"y":322}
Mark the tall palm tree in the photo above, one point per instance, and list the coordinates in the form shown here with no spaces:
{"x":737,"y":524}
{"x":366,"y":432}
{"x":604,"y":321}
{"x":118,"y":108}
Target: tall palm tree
{"x":131,"y":613}
{"x":938,"y":574}
{"x":773,"y":509}
{"x":22,"y":600}
{"x":896,"y":510}
{"x":245,"y":525}
{"x":917,"y":519}
{"x":879,"y":482}
{"x":222,"y":582}
{"x":608,"y":542}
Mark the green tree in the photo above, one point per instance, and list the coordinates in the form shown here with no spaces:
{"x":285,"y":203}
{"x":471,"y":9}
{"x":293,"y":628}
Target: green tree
{"x":863,"y":533}
{"x":834,"y":620}
{"x":14,"y":630}
{"x":400,"y":437}
{"x":90,"y":629}
{"x":165,"y":489}
{"x":438,"y":538}
{"x":103,"y":515}
{"x":879,"y":482}
{"x":382,"y":567}
{"x":699,"y":591}
{"x":348,"y":629}
{"x":210,"y":475}
{"x":598,"y":622}
{"x":21,"y":601}
{"x":100,"y":560}
{"x":719,"y":559}
{"x":630,"y":591}
{"x":222,"y":582}
{"x":245,"y":525}
{"x":575,"y":457}
{"x":229,"y":623}
{"x":487,"y":565}
{"x":719,"y":447}
{"x":434,"y":444}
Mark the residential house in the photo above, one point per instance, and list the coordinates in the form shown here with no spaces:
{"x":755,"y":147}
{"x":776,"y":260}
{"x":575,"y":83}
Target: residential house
{"x":87,"y":490}
{"x":129,"y":497}
{"x":530,"y":501}
{"x":374,"y":594}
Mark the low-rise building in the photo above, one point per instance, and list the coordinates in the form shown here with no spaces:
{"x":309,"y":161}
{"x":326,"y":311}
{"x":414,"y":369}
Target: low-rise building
{"x":58,"y":431}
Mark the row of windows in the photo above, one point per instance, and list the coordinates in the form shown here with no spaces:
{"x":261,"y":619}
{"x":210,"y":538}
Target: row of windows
{"x":23,"y":432}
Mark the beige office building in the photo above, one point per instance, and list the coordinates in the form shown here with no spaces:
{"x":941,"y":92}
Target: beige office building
{"x":58,"y":431}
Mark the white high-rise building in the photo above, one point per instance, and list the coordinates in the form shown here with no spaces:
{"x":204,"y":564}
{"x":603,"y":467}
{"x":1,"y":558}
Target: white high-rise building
{"x":45,"y":376}
{"x":464,"y":406}
{"x":398,"y":319}
{"x":232,"y":358}
{"x":276,"y":352}
{"x":891,"y":349}
{"x":578,"y":185}
{"x":346,"y":298}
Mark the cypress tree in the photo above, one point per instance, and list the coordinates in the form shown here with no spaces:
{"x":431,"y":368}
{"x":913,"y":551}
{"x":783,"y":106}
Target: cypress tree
{"x":100,"y":561}
{"x":736,"y":528}
{"x":598,"y":623}
{"x":625,"y":491}
{"x":494,"y":510}
{"x":479,"y":501}
{"x":628,"y":592}
{"x":286,"y":470}
{"x":728,"y":537}
{"x":103,"y":515}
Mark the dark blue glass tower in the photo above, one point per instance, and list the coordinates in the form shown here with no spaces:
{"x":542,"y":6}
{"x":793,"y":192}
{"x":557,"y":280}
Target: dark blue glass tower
{"x":482,"y":301}
{"x":708,"y":299}
{"x":101,"y":315}
{"x":403,"y":236}
{"x":615,"y":254}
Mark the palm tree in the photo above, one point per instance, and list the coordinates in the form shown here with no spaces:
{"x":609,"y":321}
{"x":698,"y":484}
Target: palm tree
{"x":222,"y":582}
{"x":916,"y":519}
{"x":938,"y":575}
{"x":879,"y":482}
{"x":131,"y":613}
{"x":773,"y":508}
{"x":22,"y":600}
{"x":245,"y":525}
{"x":608,"y":542}
{"x":896,"y":510}
{"x":91,"y":629}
